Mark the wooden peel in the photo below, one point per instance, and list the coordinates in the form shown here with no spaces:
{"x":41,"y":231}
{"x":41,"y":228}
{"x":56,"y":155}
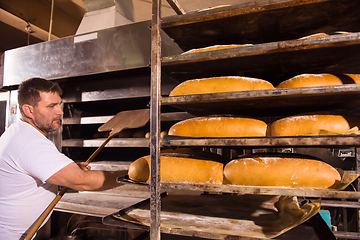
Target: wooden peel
{"x":122,"y":120}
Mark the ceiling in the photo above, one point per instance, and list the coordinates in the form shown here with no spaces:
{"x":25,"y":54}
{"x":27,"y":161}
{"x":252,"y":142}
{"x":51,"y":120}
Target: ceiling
{"x":15,"y":15}
{"x":26,"y":22}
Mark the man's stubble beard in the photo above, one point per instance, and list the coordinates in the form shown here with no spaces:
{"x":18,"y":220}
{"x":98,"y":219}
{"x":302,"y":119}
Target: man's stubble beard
{"x":48,"y":127}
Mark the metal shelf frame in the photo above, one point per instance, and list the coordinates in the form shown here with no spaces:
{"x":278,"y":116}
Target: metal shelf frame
{"x":174,"y":66}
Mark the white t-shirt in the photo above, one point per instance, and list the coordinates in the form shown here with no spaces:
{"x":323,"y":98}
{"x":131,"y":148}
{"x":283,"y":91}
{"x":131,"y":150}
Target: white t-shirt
{"x":27,"y":160}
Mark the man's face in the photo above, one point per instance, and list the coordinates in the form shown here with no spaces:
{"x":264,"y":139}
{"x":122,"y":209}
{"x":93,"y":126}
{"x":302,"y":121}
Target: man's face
{"x":48,"y":113}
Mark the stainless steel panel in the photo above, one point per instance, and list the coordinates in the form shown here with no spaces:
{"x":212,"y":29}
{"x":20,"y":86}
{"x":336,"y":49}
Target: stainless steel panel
{"x":173,"y":116}
{"x":87,"y":120}
{"x":115,"y":142}
{"x":3,"y":102}
{"x":12,"y":109}
{"x":113,"y":49}
{"x":1,"y":69}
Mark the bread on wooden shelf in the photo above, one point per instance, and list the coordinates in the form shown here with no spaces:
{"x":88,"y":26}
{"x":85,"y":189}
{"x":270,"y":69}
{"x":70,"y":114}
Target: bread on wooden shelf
{"x":354,"y":77}
{"x":220,"y":84}
{"x":139,"y":134}
{"x":317,"y":80}
{"x":322,"y":34}
{"x":219,"y":127}
{"x":315,"y":35}
{"x":162,"y":134}
{"x":215,"y":47}
{"x":310,"y":80}
{"x":178,"y":170}
{"x":281,"y":172}
{"x":308,"y":124}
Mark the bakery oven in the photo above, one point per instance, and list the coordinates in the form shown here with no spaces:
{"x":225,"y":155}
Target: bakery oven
{"x":108,"y":71}
{"x":101,"y":73}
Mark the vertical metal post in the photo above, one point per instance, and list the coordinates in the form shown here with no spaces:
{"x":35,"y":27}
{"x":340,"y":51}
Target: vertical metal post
{"x":155,"y":204}
{"x":357,"y":159}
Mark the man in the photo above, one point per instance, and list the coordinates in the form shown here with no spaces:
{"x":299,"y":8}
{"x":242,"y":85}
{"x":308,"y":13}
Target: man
{"x":31,"y":167}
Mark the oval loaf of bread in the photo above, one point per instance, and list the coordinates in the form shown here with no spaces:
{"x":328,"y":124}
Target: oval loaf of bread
{"x":308,"y":125}
{"x":220,"y":84}
{"x":355,"y":77}
{"x":219,"y":127}
{"x":178,"y":170}
{"x":215,"y":47}
{"x":281,"y":171}
{"x":310,"y":80}
{"x":315,"y":35}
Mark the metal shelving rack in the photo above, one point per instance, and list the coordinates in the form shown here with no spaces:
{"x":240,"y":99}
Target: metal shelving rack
{"x":155,"y":111}
{"x":89,"y":75}
{"x":272,"y":42}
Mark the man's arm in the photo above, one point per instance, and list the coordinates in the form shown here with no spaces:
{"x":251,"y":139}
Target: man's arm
{"x":80,"y":179}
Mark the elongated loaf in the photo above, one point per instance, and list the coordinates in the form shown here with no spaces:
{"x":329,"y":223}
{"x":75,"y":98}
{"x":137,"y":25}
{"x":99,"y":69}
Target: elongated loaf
{"x":220,"y":84}
{"x":315,"y":35}
{"x":308,"y":125}
{"x":215,"y":47}
{"x":323,"y":35}
{"x":310,"y":80}
{"x":219,"y":127}
{"x":355,"y":77}
{"x":178,"y":170}
{"x":279,"y":171}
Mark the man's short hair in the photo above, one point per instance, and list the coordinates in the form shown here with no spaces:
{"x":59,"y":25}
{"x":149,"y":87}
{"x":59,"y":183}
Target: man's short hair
{"x":29,"y":91}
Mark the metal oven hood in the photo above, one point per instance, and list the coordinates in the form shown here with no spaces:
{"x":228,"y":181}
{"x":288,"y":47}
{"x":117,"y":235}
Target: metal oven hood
{"x":108,"y":50}
{"x":102,"y":14}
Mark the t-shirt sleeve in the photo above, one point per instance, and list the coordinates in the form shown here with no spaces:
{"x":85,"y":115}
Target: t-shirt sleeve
{"x":41,"y":159}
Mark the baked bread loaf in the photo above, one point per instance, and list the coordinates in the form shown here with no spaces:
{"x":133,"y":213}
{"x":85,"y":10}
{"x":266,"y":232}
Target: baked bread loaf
{"x":281,"y":171}
{"x":323,"y":35}
{"x":178,"y":170}
{"x":219,"y":127}
{"x":310,"y":80}
{"x":215,"y":47}
{"x":220,"y":84}
{"x":315,"y":35}
{"x":162,"y":134}
{"x":355,"y":77}
{"x":309,"y":125}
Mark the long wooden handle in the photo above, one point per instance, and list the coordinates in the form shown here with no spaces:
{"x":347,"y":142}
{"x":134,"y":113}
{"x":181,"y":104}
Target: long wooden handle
{"x":51,"y":206}
{"x":44,"y":215}
{"x":99,"y":149}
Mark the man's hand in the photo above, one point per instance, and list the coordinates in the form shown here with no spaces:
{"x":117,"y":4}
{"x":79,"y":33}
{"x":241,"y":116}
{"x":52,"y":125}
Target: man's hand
{"x":84,"y":166}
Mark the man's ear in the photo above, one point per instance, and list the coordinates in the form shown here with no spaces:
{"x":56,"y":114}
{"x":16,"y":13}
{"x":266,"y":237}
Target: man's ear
{"x":28,"y":110}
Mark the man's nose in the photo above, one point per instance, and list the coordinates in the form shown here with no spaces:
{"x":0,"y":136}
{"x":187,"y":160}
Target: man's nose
{"x":59,"y":110}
